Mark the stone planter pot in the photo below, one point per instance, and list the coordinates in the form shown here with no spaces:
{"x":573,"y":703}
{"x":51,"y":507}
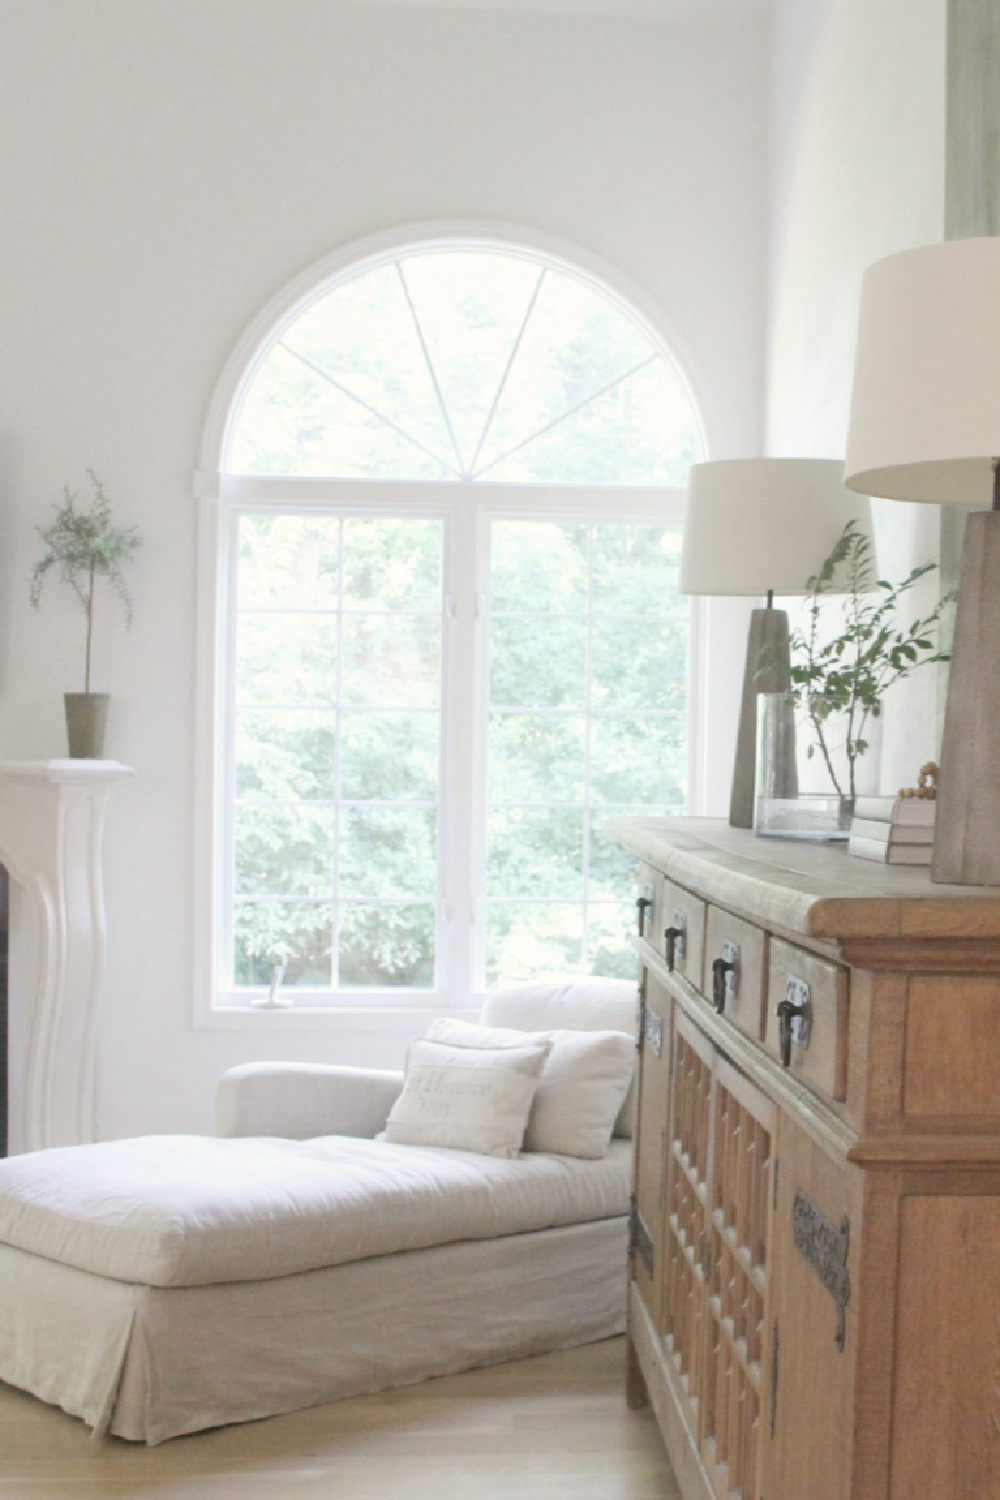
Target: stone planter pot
{"x":86,"y":721}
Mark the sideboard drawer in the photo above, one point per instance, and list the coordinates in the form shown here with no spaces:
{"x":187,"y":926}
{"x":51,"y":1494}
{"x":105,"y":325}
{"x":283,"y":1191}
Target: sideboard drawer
{"x":680,"y":931}
{"x":816,"y":992}
{"x":734,"y":970}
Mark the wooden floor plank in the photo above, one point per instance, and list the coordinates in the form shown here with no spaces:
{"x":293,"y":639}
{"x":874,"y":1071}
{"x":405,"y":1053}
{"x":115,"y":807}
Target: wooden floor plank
{"x":555,"y":1427}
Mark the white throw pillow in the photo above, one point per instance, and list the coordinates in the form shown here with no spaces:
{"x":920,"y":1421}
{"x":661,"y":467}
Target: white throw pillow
{"x":574,"y":1002}
{"x":583,"y":1085}
{"x":468,"y":1098}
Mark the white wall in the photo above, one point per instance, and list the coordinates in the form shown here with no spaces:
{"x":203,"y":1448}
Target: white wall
{"x":168,"y":166}
{"x":858,"y":120}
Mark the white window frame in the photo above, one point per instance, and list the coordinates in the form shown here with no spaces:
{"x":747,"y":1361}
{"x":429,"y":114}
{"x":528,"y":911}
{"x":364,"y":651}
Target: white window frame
{"x":469,"y":508}
{"x":468,"y":511}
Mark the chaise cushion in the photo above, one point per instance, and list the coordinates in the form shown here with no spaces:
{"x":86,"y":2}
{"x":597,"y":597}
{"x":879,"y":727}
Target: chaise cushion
{"x":582,"y":1087}
{"x":195,"y":1210}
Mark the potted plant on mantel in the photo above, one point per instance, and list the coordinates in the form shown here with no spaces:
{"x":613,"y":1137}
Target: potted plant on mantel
{"x":85,"y":546}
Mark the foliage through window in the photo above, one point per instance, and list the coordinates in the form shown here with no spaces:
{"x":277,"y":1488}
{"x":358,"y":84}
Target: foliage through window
{"x":466,"y":365}
{"x":587,"y":671}
{"x":461,"y":648}
{"x":337,"y":729}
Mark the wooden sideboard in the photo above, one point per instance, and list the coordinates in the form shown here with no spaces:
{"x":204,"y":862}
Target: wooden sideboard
{"x":814,"y":1299}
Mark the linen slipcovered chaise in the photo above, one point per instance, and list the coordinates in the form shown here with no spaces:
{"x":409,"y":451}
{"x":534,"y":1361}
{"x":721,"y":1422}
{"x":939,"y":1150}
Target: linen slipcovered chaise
{"x":165,"y":1284}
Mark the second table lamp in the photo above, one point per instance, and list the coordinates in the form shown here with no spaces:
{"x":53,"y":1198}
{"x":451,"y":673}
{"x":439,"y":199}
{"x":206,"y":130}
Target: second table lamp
{"x":760,"y":527}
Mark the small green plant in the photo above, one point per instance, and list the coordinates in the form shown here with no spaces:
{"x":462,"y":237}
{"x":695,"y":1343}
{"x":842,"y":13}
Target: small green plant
{"x":850,"y":674}
{"x":84,"y":546}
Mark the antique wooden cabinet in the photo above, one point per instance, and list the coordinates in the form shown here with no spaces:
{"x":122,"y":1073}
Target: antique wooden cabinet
{"x":814,"y":1300}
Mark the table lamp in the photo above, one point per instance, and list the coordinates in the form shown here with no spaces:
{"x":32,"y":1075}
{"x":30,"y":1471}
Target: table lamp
{"x":760,"y":527}
{"x":925,"y":425}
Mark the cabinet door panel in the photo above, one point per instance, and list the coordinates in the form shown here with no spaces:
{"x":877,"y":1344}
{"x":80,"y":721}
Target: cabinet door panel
{"x":743,"y":1125}
{"x":812,"y":1335}
{"x":686,"y":1229}
{"x":651,"y":1147}
{"x":946,"y":1437}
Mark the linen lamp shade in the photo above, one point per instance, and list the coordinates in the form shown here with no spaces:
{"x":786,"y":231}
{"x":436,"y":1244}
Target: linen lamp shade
{"x":925,"y":406}
{"x":763,"y":526}
{"x":925,"y":426}
{"x":755,"y":525}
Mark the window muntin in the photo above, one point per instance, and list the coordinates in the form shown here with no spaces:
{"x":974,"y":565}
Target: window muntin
{"x":336,"y":728}
{"x":466,"y":364}
{"x":588,"y":647}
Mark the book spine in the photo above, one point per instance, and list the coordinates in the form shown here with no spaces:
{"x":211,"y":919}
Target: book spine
{"x":879,"y":808}
{"x":870,"y":828}
{"x":907,"y":812}
{"x":862,"y":848}
{"x":910,"y":854}
{"x":893,"y":833}
{"x":914,"y":812}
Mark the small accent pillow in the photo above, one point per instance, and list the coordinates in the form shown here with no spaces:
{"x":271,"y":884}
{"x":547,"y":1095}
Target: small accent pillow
{"x":468,"y":1098}
{"x":584,"y":1083}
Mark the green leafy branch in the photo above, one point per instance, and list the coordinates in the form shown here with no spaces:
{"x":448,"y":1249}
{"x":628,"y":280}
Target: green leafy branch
{"x":84,"y":546}
{"x":851,"y":673}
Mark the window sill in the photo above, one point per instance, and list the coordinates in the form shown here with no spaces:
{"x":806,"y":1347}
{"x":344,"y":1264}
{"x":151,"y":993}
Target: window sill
{"x":377,"y":1016}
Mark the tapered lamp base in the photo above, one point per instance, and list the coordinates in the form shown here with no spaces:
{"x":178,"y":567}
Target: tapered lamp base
{"x":967,"y":822}
{"x":766,"y":671}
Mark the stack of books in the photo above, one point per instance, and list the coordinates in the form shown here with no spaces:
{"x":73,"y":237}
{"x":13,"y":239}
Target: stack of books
{"x":893,"y":830}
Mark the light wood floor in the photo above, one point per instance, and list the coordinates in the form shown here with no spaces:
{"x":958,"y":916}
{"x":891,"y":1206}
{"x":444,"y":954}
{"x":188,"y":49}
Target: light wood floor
{"x":553,"y":1427}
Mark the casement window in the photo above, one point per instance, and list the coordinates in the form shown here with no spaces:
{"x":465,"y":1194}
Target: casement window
{"x":450,"y":638}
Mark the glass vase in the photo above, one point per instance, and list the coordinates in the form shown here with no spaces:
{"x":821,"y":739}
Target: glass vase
{"x":802,"y":786}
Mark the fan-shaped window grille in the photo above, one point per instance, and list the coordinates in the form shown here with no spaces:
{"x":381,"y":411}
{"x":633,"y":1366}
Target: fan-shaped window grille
{"x":466,"y":364}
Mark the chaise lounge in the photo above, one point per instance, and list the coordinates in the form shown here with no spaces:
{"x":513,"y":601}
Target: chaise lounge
{"x":166,"y":1284}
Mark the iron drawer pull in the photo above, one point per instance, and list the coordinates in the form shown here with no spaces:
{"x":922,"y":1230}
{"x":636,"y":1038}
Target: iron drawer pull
{"x":720,"y":968}
{"x":787,"y":1013}
{"x":642,"y":905}
{"x":670,"y":937}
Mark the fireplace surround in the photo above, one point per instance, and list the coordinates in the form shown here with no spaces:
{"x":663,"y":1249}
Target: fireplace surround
{"x":52,"y":817}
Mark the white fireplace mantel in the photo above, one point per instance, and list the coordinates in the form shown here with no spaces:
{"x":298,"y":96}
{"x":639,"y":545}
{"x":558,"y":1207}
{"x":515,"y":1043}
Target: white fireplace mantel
{"x":51,"y":841}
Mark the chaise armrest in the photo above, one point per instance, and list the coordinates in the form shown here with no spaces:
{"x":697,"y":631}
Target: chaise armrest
{"x":300,"y":1100}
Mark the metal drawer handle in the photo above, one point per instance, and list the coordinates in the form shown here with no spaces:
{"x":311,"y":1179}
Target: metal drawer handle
{"x":675,"y":940}
{"x":794,"y":1018}
{"x":725,"y":975}
{"x":644,"y":904}
{"x":721,"y":969}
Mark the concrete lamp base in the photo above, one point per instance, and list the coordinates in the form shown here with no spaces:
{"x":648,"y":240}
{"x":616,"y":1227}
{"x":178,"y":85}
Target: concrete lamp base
{"x":766,"y":671}
{"x":967,"y":823}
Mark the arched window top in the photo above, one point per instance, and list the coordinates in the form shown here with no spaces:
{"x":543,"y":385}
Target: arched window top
{"x":466,"y":363}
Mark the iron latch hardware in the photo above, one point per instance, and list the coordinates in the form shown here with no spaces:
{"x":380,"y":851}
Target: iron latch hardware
{"x":642,"y":1240}
{"x":652,"y":1031}
{"x":824,"y":1248}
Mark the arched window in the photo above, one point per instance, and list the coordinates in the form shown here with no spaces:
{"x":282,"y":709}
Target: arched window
{"x":468,"y":363}
{"x":453,"y":645}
